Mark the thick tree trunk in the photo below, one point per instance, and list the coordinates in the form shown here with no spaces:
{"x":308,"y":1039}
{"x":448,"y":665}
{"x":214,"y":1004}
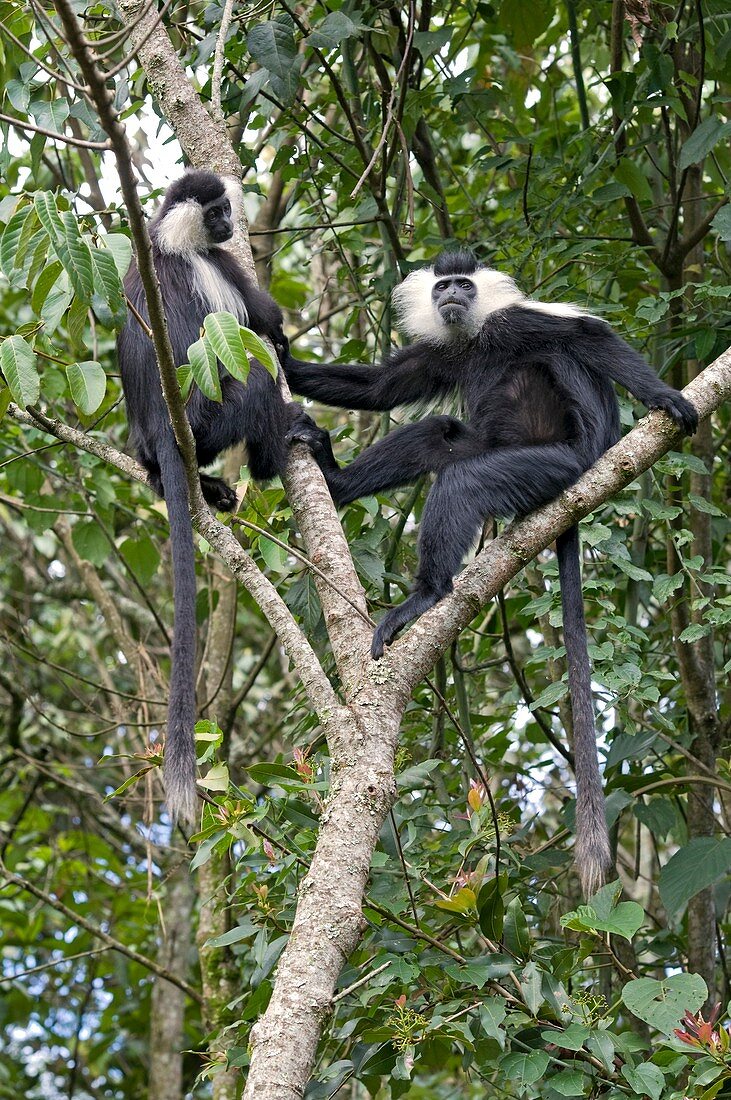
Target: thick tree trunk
{"x":167,"y":1010}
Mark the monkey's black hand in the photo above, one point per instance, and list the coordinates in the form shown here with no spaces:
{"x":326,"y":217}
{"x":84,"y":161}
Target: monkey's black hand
{"x":281,"y":346}
{"x":682,"y":412}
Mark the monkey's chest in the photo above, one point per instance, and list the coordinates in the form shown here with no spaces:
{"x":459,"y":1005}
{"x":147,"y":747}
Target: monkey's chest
{"x":213,"y":291}
{"x":526,"y":408}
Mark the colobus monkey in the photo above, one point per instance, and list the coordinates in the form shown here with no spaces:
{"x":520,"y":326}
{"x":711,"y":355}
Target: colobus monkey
{"x":197,"y":277}
{"x":536,"y":383}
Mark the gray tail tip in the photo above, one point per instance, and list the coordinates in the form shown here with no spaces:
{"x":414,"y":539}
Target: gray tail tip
{"x":594,"y":867}
{"x":181,"y":799}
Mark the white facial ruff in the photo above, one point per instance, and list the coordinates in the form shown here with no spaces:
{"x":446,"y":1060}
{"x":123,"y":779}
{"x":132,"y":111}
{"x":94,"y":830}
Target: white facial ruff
{"x":418,"y":318}
{"x":182,"y":232}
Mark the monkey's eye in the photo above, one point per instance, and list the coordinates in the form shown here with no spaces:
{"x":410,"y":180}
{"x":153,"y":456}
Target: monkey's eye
{"x":465,"y":284}
{"x":227,"y":208}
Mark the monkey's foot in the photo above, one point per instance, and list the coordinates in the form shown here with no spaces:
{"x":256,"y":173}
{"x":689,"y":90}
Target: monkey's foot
{"x":421,"y":599}
{"x":305,"y":430}
{"x":383,"y":635}
{"x":218,"y":494}
{"x":681,"y":411}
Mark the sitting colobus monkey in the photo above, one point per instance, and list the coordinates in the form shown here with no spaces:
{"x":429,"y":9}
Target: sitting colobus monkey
{"x":536,"y":383}
{"x":197,"y":277}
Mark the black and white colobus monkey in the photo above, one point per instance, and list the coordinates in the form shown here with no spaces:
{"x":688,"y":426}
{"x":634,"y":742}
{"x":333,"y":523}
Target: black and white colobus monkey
{"x":536,"y":383}
{"x":197,"y":277}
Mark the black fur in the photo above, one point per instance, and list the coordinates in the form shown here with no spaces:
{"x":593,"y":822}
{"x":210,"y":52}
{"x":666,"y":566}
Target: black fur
{"x":255,"y":414}
{"x":457,"y":261}
{"x":540,"y":409}
{"x":197,"y":184}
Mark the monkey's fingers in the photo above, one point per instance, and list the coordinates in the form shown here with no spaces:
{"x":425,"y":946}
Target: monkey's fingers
{"x":681,"y":411}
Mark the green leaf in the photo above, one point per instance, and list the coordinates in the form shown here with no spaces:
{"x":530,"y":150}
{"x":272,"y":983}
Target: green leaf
{"x":722,"y":223}
{"x":704,"y":505}
{"x":646,"y":1079}
{"x":90,"y":542}
{"x":634,"y":572}
{"x":51,"y":114}
{"x":568,"y":1083}
{"x":9,"y":243}
{"x":550,"y":695}
{"x":256,"y":347}
{"x":604,"y":914}
{"x":18,"y":93}
{"x":44,"y":285}
{"x":524,"y":1070}
{"x":204,"y":369}
{"x":120,"y":248}
{"x":573,"y":1038}
{"x":464,"y":901}
{"x":223,"y":334}
{"x":694,"y":632}
{"x":272,"y":45}
{"x":430,"y":42}
{"x":526,"y":21}
{"x":334,"y":28}
{"x":659,"y":815}
{"x":531,"y":983}
{"x":703,"y":139}
{"x":45,"y":206}
{"x":18,"y":364}
{"x":88,"y":384}
{"x":624,"y":921}
{"x":631,"y":175}
{"x":274,"y":555}
{"x":57,"y":302}
{"x":662,"y":1004}
{"x":491,"y":910}
{"x":234,"y":935}
{"x":75,"y":255}
{"x":698,"y":864}
{"x":108,"y":288}
{"x":270,"y":775}
{"x":492,"y":1014}
{"x":217,"y":778}
{"x":516,"y":937}
{"x":142,"y":558}
{"x":664,"y":585}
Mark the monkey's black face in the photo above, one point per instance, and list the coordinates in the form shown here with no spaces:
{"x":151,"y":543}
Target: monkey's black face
{"x":217,"y":220}
{"x":453,"y":297}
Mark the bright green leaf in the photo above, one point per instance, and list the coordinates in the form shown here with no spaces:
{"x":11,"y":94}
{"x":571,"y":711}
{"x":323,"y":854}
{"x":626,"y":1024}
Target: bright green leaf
{"x":662,"y":1004}
{"x":88,"y":384}
{"x":18,"y":364}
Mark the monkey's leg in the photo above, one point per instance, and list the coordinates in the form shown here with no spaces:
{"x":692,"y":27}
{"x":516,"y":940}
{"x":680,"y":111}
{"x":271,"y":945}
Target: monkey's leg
{"x":507,"y":482}
{"x":400,"y":459}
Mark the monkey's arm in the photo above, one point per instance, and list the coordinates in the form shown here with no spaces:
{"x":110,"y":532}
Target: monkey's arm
{"x":625,"y":366}
{"x":401,"y":379}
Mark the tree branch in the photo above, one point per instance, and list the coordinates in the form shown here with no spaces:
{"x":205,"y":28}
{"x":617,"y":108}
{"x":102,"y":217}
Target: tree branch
{"x":99,"y":933}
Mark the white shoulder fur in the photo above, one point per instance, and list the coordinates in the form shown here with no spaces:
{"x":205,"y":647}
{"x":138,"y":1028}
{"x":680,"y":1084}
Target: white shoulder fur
{"x":417,"y":318}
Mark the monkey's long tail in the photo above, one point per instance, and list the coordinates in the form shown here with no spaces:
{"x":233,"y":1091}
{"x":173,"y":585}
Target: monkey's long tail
{"x":593,"y":850}
{"x":180,"y":759}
